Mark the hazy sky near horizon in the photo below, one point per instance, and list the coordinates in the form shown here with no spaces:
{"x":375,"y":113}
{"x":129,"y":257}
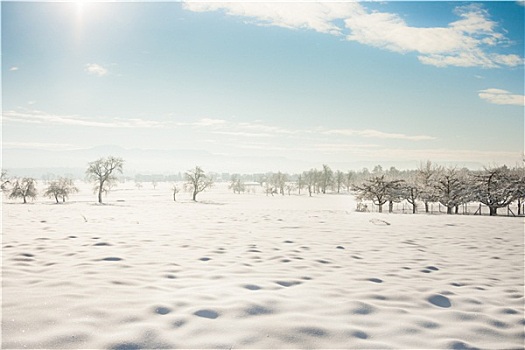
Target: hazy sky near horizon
{"x":322,"y":82}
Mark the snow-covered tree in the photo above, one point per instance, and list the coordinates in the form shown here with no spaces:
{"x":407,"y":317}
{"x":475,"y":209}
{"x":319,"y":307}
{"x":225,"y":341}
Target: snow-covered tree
{"x":349,"y":178}
{"x":101,"y":173}
{"x":318,"y":180}
{"x":60,"y":188}
{"x":175,"y":189}
{"x":24,"y":188}
{"x":495,"y":187}
{"x":289,"y":187}
{"x":411,"y":195}
{"x":519,"y":176}
{"x":426,"y":176}
{"x":278,"y":182}
{"x":300,"y":183}
{"x":339,"y":180}
{"x":4,"y":180}
{"x":197,"y":181}
{"x":236,"y":184}
{"x":394,"y":192}
{"x":327,"y":178}
{"x":451,"y":189}
{"x":377,"y":189}
{"x":310,"y":178}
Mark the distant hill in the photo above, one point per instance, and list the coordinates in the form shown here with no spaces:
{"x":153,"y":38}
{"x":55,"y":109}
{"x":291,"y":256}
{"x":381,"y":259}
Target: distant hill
{"x":39,"y":163}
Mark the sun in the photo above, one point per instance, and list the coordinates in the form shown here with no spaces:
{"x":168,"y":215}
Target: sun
{"x":81,"y":6}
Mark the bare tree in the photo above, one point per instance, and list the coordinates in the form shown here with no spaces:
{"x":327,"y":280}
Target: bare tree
{"x":279,"y":181}
{"x":290,"y":186}
{"x":138,"y":184}
{"x":310,"y":180}
{"x":300,"y":183}
{"x":350,"y":175}
{"x":101,"y":172}
{"x":197,"y":181}
{"x":339,"y":180}
{"x":154,"y":183}
{"x":377,"y":189}
{"x":378,"y":170}
{"x":4,"y":180}
{"x":269,"y":189}
{"x":450,"y":189}
{"x":175,"y":190}
{"x":327,"y":178}
{"x":495,"y":187}
{"x":318,"y":180}
{"x":426,"y":177}
{"x":519,"y":176}
{"x":236,"y":184}
{"x":61,"y":188}
{"x":394,"y":192}
{"x":25,"y":188}
{"x":411,"y":192}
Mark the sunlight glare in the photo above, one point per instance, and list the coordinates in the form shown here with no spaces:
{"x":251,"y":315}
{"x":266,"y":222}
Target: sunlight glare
{"x":81,"y":7}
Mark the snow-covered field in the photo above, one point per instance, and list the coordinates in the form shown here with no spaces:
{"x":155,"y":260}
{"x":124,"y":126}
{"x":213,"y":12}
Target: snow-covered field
{"x":250,"y":271}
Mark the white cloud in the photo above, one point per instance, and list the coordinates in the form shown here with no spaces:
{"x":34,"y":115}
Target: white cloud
{"x":38,"y":117}
{"x":466,"y":42}
{"x":306,"y":15}
{"x":259,"y":127}
{"x":96,"y":69}
{"x":209,"y":122}
{"x":463,"y":43}
{"x":501,"y":97}
{"x":243,"y":134}
{"x":370,"y":133}
{"x":38,"y":145}
{"x":13,"y":69}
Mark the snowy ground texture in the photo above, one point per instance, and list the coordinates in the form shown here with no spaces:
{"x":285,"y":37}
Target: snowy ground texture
{"x":250,"y":271}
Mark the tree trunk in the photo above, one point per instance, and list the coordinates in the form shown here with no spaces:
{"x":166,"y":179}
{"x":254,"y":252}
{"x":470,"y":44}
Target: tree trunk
{"x":56,"y":198}
{"x":25,"y":201}
{"x":449,"y":210}
{"x":426,"y":207}
{"x":195,"y":195}
{"x":380,"y":208}
{"x":414,"y":208}
{"x":390,"y":206}
{"x":456,"y":210}
{"x":493,"y":211}
{"x":519,"y":206}
{"x":100,"y":188}
{"x":174,"y":196}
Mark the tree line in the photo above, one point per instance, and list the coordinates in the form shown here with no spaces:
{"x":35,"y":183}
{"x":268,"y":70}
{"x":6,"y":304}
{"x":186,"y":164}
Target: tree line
{"x":102,"y":173}
{"x":495,"y":187}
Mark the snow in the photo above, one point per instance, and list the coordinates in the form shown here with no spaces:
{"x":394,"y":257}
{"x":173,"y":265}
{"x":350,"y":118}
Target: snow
{"x":255,"y":271}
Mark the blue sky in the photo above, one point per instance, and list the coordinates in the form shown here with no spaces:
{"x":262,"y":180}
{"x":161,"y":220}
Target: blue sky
{"x":313,"y":83}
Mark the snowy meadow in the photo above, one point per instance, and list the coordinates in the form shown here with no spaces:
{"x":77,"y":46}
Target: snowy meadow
{"x":266,"y":246}
{"x":255,"y":271}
